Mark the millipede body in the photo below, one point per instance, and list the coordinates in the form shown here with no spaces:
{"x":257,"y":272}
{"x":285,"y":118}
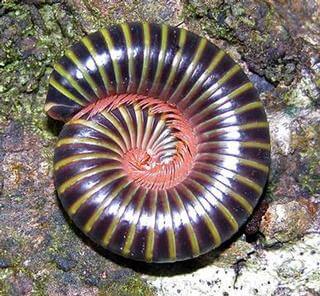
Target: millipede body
{"x":165,"y":149}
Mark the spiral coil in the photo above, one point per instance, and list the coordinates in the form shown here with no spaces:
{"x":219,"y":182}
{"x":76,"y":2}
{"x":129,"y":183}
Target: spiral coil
{"x":165,"y":150}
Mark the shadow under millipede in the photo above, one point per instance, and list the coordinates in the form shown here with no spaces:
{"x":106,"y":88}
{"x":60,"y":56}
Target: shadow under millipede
{"x":54,"y":126}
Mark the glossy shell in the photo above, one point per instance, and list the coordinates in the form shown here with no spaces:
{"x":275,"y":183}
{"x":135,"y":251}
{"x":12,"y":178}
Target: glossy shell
{"x":173,"y":167}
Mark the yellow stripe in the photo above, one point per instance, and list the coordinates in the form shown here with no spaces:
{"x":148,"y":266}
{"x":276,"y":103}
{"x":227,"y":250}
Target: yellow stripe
{"x":164,"y":141}
{"x":254,"y":164}
{"x":130,"y":125}
{"x":226,"y":213}
{"x":150,"y":231}
{"x":72,"y":56}
{"x":64,"y":73}
{"x":85,"y":174}
{"x":190,"y":231}
{"x":169,"y":230}
{"x":161,"y":57}
{"x":253,"y":125}
{"x":140,"y":125}
{"x":246,"y":162}
{"x":175,"y":63}
{"x":227,"y":143}
{"x":89,"y":141}
{"x":132,"y":230}
{"x":223,"y":100}
{"x":117,"y":71}
{"x":249,"y":183}
{"x":227,"y":76}
{"x":215,"y":61}
{"x":147,"y":131}
{"x":82,"y":199}
{"x":97,"y":213}
{"x":83,"y":156}
{"x":115,"y":221}
{"x":99,"y":63}
{"x":240,"y":90}
{"x":244,"y":180}
{"x":130,"y":52}
{"x":222,"y":116}
{"x":156,"y":132}
{"x":102,"y":129}
{"x":120,"y":126}
{"x":60,"y":88}
{"x":146,"y":56}
{"x":237,"y":197}
{"x":189,"y":71}
{"x":255,"y":145}
{"x":212,"y":89}
{"x":242,"y":127}
{"x":206,"y":218}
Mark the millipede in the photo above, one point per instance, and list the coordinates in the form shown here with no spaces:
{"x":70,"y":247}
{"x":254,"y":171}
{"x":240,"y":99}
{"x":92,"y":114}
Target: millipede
{"x":165,"y":150}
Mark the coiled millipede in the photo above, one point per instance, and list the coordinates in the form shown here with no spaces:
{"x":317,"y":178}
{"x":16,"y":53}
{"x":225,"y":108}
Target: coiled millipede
{"x":165,"y":149}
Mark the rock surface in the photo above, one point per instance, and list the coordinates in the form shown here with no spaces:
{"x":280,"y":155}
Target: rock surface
{"x":42,"y":253}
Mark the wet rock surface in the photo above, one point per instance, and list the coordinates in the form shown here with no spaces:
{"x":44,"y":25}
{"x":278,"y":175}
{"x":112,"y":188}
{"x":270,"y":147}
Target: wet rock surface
{"x":42,"y":253}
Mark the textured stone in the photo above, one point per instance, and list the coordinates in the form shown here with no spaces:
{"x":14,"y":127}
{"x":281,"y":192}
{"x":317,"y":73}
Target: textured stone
{"x":287,"y":221}
{"x":290,"y":270}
